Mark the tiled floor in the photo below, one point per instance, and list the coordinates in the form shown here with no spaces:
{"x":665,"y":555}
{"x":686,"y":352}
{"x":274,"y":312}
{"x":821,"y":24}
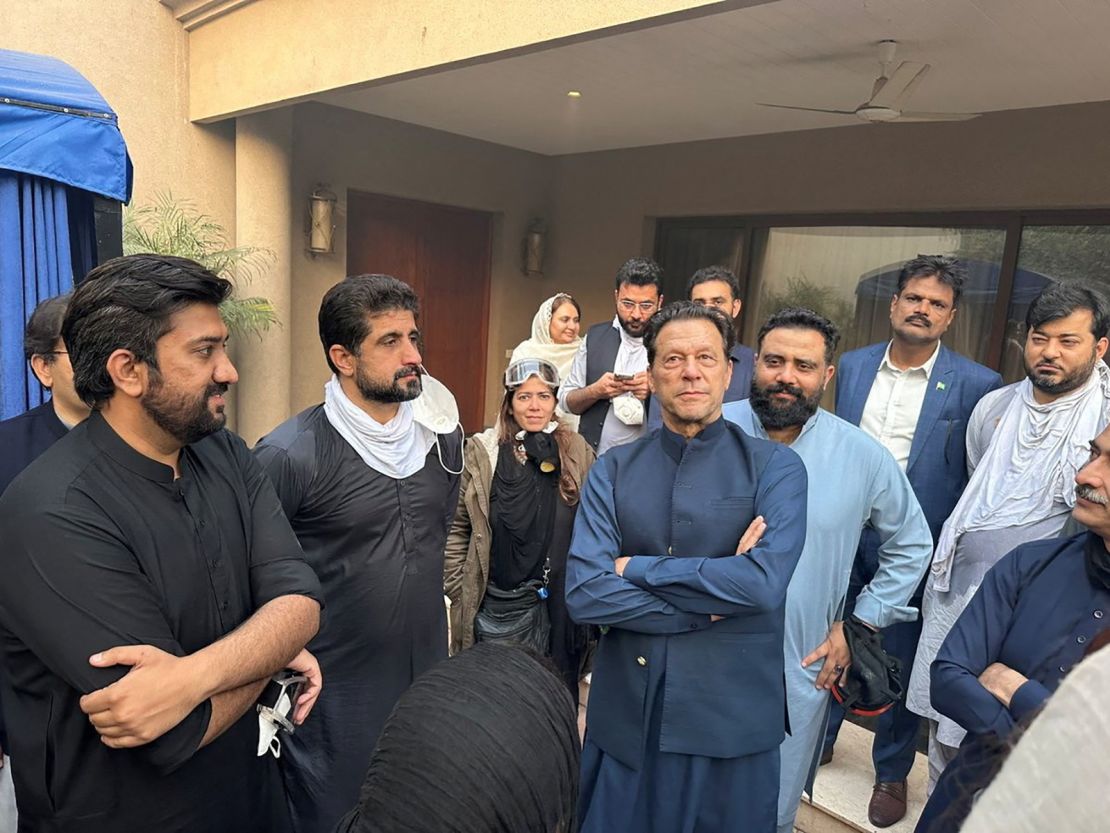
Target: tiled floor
{"x":843,"y":788}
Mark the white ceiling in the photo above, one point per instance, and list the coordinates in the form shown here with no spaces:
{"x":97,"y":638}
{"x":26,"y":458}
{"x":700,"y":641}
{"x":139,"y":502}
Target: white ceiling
{"x":701,"y":78}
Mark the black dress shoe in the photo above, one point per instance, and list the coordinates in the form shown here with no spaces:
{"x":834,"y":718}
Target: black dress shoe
{"x":826,"y":756}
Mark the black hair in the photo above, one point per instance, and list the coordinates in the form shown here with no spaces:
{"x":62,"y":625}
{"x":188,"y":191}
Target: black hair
{"x":640,"y":271}
{"x":714,"y":273}
{"x":126,"y":304}
{"x":44,"y":328}
{"x":686,"y":311}
{"x":1059,"y":300}
{"x":945,"y":268}
{"x":484,"y":742}
{"x":345,"y":312}
{"x":799,"y":318}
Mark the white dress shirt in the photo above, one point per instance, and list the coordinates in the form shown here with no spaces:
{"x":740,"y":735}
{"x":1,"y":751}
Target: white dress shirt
{"x":631,"y":359}
{"x":894,"y":404}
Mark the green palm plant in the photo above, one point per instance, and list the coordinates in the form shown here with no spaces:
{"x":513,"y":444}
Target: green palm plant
{"x":172,"y":226}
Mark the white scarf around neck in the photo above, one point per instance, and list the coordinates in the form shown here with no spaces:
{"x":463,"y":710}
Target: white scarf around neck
{"x":396,"y":449}
{"x":1029,"y":466}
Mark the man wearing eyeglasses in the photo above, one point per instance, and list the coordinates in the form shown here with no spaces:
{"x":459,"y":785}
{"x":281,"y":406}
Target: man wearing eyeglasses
{"x":608,"y":383}
{"x":28,"y":435}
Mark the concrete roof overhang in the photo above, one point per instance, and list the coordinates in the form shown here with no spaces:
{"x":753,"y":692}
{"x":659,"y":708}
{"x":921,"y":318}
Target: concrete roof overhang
{"x":650,"y":71}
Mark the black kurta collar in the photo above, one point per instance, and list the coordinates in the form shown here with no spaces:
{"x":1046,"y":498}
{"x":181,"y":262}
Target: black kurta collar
{"x":674,"y":444}
{"x":112,"y":444}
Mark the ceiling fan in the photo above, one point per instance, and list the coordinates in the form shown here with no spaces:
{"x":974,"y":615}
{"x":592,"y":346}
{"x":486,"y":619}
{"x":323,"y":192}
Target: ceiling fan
{"x":891,"y":91}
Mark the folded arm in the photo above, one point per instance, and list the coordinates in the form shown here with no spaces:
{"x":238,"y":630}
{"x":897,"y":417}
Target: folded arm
{"x":71,"y":590}
{"x":736,"y":586}
{"x":596,"y":595}
{"x":972,"y":646}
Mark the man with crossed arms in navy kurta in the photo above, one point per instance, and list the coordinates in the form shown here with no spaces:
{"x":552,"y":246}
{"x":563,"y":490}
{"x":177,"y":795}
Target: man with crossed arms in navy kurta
{"x":684,"y":544}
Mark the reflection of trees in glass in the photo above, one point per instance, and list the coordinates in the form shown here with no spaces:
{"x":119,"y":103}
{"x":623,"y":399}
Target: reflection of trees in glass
{"x":802,"y":292}
{"x":978,"y":244}
{"x":1080,"y":253}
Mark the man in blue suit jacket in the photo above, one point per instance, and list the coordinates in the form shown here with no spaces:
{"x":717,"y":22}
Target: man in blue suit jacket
{"x":914,"y":396}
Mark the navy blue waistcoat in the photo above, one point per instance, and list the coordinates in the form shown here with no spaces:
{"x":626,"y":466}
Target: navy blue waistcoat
{"x":724,"y":689}
{"x":603,"y":341}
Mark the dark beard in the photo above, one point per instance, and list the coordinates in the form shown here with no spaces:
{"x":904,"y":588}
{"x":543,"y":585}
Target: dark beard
{"x":624,"y":326}
{"x":186,"y":420}
{"x":775,"y":416}
{"x":1070,"y":382}
{"x":392,"y":393}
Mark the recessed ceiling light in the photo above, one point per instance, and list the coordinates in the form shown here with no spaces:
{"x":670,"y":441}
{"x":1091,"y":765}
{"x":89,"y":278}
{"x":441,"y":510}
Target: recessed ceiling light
{"x":574,"y":93}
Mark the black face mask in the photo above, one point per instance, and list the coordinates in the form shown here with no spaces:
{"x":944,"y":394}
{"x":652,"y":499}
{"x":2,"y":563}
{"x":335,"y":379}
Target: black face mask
{"x":1097,"y":558}
{"x":543,"y":449}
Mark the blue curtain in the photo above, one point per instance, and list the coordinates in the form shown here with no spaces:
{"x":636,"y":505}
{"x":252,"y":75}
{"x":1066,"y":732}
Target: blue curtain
{"x":36,"y":263}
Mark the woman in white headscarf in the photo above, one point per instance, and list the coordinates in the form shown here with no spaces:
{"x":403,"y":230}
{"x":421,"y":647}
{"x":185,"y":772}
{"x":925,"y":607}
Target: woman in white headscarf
{"x":555,"y":338}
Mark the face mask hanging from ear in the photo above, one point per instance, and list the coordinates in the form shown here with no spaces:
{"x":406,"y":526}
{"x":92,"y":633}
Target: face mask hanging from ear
{"x":437,"y":410}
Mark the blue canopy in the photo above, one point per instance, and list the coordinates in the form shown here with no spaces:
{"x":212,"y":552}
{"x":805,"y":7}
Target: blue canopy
{"x":55,"y":125}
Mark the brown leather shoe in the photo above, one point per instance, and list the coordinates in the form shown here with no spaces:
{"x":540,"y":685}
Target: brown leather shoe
{"x":888,"y":803}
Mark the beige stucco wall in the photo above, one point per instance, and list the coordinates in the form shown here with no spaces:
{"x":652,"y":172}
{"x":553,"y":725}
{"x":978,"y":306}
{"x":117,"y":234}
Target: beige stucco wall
{"x":333,"y":44}
{"x":1046,"y":158}
{"x":134,"y":53}
{"x":599,"y":207}
{"x":349,"y":150}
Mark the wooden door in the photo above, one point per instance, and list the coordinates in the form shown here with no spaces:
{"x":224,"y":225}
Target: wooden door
{"x":444,"y":254}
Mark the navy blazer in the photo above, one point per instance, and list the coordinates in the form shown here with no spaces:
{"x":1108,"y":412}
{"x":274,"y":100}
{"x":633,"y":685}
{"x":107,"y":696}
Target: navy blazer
{"x":937,"y":466}
{"x":678,"y":509}
{"x":1036,"y":612}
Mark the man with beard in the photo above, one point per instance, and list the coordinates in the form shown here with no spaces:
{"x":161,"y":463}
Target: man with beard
{"x":1038,"y":612}
{"x":914,"y":396}
{"x":1025,"y":443}
{"x":369,"y":480}
{"x":151,"y":585}
{"x":608,"y":382}
{"x":853,"y":482}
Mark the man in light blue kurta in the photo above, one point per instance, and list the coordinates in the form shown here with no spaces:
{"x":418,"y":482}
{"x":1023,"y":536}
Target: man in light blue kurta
{"x":853,"y":482}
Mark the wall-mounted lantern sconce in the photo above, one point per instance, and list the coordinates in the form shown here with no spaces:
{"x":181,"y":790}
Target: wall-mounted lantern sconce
{"x":532,"y":249}
{"x":321,"y":221}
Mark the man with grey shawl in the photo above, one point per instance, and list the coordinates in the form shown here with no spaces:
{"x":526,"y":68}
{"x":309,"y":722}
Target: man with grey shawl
{"x":1025,"y":443}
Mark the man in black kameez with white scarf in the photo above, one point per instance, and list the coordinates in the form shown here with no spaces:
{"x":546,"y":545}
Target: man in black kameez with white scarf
{"x":369,"y":481}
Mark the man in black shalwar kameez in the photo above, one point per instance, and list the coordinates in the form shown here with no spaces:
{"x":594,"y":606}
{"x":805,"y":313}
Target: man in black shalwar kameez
{"x":370,"y":488}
